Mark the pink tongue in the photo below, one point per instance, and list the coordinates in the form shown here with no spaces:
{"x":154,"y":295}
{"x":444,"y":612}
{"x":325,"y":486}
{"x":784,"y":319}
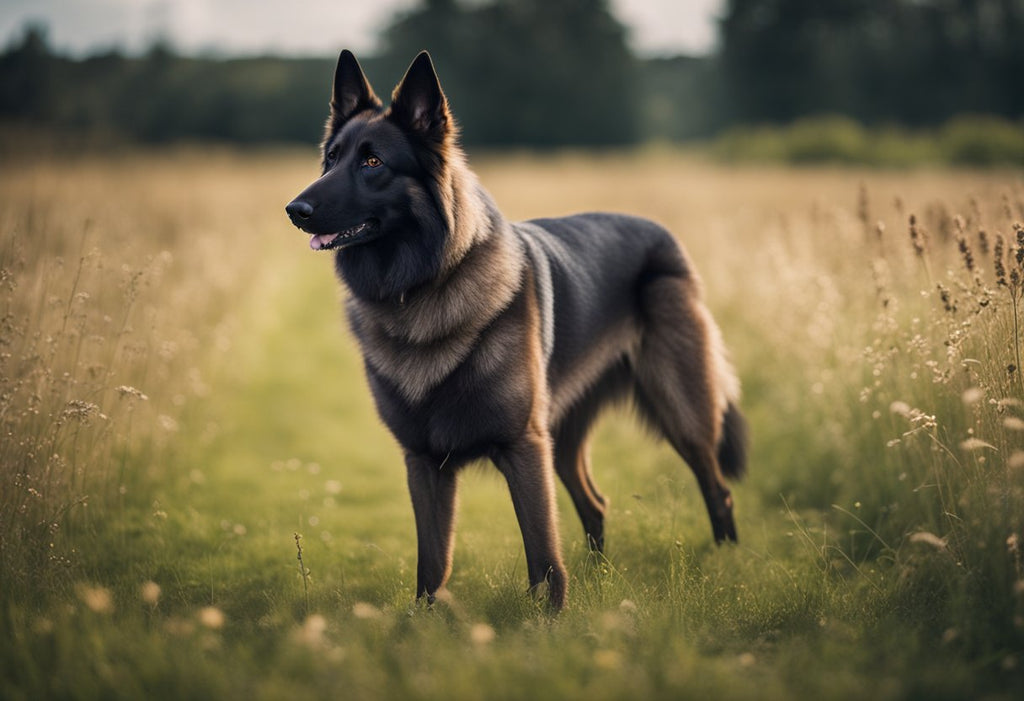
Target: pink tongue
{"x":319,"y":241}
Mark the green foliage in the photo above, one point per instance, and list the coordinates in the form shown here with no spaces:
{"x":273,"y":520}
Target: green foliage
{"x":982,"y":141}
{"x":560,"y":73}
{"x":912,"y":62}
{"x":533,"y":72}
{"x":548,"y":73}
{"x":964,"y":141}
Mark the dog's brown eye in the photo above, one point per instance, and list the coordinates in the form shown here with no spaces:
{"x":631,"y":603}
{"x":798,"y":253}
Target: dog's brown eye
{"x":373,"y":162}
{"x":331,"y":155}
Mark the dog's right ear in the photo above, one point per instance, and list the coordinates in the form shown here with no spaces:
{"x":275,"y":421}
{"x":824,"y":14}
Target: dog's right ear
{"x":352,"y":92}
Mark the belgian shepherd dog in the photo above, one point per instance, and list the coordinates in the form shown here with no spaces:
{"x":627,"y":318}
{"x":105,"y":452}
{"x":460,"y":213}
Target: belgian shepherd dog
{"x":484,"y":338}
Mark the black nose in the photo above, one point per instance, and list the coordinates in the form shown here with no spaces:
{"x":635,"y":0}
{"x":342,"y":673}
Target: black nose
{"x":298,"y":209}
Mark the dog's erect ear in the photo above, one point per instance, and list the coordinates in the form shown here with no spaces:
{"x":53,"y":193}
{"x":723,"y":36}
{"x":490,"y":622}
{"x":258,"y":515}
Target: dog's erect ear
{"x":352,"y":92}
{"x":418,"y":102}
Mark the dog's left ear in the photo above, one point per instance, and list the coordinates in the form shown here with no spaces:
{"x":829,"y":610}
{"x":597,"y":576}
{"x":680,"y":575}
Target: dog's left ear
{"x":352,"y":92}
{"x":418,"y":102}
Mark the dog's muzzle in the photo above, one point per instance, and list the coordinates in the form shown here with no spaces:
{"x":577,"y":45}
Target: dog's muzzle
{"x":298,"y":211}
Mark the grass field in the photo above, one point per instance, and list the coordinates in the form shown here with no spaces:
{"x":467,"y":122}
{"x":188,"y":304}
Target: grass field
{"x":182,"y":406}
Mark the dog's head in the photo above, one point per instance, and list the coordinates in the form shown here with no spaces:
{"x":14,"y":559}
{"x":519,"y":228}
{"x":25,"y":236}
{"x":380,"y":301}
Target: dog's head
{"x":380,"y":199}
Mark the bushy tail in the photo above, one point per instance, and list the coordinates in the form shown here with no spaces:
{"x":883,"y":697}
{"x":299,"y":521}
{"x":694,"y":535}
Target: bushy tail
{"x":732,"y":447}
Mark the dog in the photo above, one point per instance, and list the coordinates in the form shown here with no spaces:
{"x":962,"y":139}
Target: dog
{"x":483,"y":338}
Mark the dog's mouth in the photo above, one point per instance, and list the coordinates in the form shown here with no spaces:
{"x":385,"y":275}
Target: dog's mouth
{"x":346,"y":237}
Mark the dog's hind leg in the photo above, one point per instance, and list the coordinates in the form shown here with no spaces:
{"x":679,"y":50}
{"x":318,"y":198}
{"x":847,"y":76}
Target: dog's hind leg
{"x":572,"y":462}
{"x":432,"y":488}
{"x":527,"y":467}
{"x":677,"y":387}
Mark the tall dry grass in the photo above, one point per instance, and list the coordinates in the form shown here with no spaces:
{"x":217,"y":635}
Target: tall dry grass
{"x":116,"y":281}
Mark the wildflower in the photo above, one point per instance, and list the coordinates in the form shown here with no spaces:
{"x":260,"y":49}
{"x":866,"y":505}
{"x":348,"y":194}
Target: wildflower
{"x":96,"y":599}
{"x":212,"y":617}
{"x":481,"y":634}
{"x":81,"y":411}
{"x":900,"y":408}
{"x":312,"y":631}
{"x":972,"y":395}
{"x":126,"y":391}
{"x":150,"y":593}
{"x":365,"y":611}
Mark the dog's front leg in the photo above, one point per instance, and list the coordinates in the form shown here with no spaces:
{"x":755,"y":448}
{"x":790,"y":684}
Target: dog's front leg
{"x":432,"y":488}
{"x":528,"y":468}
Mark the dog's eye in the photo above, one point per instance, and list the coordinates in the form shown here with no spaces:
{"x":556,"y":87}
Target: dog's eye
{"x":373,"y":162}
{"x":331,"y":155}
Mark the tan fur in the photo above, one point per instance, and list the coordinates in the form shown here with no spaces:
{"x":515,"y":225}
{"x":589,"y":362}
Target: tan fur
{"x":617,"y":342}
{"x":417,"y":344}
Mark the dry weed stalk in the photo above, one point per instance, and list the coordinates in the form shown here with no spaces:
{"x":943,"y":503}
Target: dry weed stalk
{"x":304,"y":572}
{"x":919,"y":240}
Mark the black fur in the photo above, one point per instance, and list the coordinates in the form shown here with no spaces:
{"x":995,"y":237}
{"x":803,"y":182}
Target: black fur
{"x":485,"y":339}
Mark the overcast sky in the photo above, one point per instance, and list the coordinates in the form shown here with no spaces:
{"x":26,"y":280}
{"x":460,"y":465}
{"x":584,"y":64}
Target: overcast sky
{"x":302,"y":27}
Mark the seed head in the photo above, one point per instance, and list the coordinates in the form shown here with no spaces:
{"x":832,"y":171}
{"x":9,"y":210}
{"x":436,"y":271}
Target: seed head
{"x":863,"y":206}
{"x":918,"y":238}
{"x":947,"y":301}
{"x":983,"y":241}
{"x":1000,"y":265}
{"x":1019,"y":252}
{"x":965,"y":252}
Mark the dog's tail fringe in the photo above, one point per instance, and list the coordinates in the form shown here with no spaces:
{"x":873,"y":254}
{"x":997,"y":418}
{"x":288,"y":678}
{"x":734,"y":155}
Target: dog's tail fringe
{"x":732,"y":448}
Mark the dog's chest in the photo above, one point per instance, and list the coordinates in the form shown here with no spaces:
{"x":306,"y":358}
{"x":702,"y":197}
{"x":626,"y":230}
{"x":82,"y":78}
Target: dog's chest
{"x":457,"y":393}
{"x":483,"y":401}
{"x":408,"y":357}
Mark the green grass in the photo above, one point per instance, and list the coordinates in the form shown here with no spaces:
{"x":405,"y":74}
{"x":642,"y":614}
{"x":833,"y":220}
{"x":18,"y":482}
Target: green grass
{"x":257,"y":425}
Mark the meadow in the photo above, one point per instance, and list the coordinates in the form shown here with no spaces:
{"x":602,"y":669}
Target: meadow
{"x":198,"y":500}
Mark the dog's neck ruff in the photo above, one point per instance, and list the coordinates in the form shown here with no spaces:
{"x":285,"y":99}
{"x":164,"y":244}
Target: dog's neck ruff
{"x":417,"y":344}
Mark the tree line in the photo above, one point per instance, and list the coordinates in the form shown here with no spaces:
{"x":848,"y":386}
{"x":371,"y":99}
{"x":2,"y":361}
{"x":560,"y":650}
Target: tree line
{"x":560,"y":72}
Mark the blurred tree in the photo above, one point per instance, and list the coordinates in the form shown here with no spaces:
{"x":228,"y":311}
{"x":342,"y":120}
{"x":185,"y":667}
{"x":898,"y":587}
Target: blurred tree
{"x":682,"y":98}
{"x":559,"y":72}
{"x":912,"y":61}
{"x":29,"y":85}
{"x":517,"y":72}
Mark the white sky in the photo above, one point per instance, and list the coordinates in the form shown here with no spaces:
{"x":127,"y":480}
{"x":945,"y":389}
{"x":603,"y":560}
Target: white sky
{"x":302,"y":27}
